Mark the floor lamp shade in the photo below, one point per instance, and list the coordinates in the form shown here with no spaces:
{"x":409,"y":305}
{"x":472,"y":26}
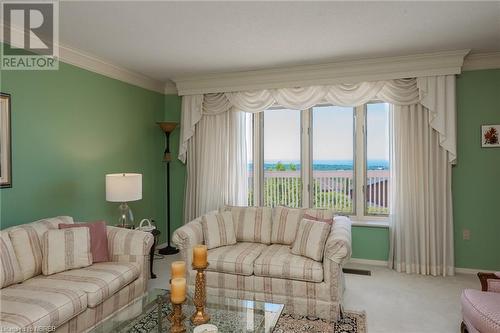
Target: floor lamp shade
{"x":123,"y":187}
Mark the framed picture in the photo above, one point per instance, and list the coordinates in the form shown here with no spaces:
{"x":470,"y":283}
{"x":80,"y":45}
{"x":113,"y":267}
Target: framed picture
{"x":5,"y":142}
{"x":490,"y":136}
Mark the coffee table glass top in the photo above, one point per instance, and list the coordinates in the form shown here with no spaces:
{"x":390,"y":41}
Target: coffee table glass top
{"x":228,"y":314}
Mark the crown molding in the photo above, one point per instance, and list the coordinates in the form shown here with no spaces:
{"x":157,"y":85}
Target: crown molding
{"x":482,"y":61}
{"x":94,"y":64}
{"x":427,"y":64}
{"x":170,"y":88}
{"x":97,"y":65}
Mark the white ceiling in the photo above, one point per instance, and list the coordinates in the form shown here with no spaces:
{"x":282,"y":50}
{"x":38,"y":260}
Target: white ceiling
{"x":169,"y":39}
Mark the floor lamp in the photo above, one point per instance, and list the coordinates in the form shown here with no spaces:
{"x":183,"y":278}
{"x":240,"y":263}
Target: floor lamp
{"x":167,"y":127}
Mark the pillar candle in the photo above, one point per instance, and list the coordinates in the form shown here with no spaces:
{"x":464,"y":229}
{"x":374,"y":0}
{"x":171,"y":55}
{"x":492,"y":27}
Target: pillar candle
{"x":178,"y":290}
{"x":178,"y":269}
{"x":200,"y":256}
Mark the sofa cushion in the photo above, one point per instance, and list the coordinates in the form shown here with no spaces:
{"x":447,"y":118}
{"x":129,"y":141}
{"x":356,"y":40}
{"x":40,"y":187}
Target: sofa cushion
{"x":481,"y":310}
{"x":252,"y":224}
{"x":218,"y":229}
{"x":311,"y":238}
{"x":65,"y":249}
{"x":98,"y":238}
{"x":278,"y":261}
{"x":26,"y":240}
{"x":99,"y":281}
{"x":10,"y":272}
{"x":234,"y":259}
{"x":31,"y":306}
{"x":285,"y":224}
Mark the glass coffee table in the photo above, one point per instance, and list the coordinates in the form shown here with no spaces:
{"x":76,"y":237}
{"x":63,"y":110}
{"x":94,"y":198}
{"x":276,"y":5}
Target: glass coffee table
{"x":228,"y":314}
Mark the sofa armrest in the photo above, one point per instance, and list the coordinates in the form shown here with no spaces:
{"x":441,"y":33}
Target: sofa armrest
{"x":186,"y":237}
{"x":123,"y":241}
{"x":338,"y":245}
{"x":490,"y":281}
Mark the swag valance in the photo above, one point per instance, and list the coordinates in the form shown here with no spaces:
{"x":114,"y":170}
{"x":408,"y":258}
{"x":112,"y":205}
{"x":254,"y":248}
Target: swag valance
{"x":436,"y":93}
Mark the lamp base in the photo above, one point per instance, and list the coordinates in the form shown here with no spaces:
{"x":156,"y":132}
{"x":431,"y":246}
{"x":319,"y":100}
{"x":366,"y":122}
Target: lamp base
{"x":168,"y":250}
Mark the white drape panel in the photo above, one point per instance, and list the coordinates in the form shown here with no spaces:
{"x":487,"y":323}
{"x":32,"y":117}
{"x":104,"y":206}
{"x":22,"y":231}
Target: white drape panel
{"x":435,"y":93}
{"x":216,"y":168}
{"x":421,"y":212}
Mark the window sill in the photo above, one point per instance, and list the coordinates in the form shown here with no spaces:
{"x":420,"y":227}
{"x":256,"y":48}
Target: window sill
{"x":370,"y":223}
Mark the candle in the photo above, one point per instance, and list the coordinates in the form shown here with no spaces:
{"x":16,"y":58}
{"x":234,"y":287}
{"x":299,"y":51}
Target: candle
{"x":200,"y":256}
{"x":178,"y":290}
{"x":178,"y":269}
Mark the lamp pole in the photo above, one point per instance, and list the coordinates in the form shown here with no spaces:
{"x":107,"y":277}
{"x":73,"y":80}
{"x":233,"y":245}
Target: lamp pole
{"x":167,"y":127}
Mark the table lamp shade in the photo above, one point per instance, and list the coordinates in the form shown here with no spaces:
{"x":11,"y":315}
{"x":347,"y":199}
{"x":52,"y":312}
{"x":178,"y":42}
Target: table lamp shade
{"x":123,"y":187}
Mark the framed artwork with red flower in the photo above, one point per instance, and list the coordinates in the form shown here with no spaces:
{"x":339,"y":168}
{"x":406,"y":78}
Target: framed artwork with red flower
{"x":490,"y":136}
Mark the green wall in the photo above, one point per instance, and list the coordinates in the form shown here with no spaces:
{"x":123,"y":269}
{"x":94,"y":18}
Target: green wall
{"x":476,"y":177}
{"x":370,"y":243}
{"x":71,"y":127}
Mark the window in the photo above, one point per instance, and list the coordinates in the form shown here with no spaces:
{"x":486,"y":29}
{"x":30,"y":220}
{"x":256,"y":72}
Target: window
{"x":333,"y":158}
{"x":377,"y":159}
{"x":325,"y":157}
{"x":282,"y":160}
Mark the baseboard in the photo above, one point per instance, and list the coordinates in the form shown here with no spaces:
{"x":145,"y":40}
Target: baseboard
{"x":472,"y":270}
{"x":459,"y":270}
{"x":368,"y":262}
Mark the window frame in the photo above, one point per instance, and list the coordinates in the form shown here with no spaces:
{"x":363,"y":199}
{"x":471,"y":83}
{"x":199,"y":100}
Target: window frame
{"x":360,"y":172}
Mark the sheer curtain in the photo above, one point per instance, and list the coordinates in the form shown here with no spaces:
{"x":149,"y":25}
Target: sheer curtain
{"x":216,"y":168}
{"x":421,"y":213}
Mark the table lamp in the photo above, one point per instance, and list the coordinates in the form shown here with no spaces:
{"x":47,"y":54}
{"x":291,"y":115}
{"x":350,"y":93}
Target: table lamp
{"x":123,"y":188}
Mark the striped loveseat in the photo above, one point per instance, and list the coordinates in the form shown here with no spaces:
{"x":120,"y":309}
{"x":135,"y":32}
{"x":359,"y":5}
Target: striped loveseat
{"x":260,"y":266}
{"x":74,"y":300}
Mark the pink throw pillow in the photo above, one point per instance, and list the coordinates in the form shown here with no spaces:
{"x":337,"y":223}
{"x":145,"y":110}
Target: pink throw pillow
{"x":318,"y":219}
{"x":98,"y":238}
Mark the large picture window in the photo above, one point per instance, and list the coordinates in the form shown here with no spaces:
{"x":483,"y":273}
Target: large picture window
{"x":324,"y":157}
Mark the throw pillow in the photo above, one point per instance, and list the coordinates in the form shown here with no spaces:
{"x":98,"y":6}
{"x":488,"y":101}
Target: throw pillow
{"x":98,"y":238}
{"x":65,"y":249}
{"x":252,"y":224}
{"x":311,"y":239}
{"x":218,"y":229}
{"x":285,"y":224}
{"x":10,"y":272}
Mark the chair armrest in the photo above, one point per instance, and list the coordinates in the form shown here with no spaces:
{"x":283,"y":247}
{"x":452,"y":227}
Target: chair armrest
{"x":338,"y":245}
{"x":490,"y":281}
{"x":123,"y":241}
{"x":186,"y":237}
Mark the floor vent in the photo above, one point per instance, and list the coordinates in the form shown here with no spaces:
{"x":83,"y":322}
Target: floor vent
{"x":356,"y":271}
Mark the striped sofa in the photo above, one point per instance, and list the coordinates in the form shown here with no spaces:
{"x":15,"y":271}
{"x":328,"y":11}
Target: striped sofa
{"x":74,"y":300}
{"x":260,"y":266}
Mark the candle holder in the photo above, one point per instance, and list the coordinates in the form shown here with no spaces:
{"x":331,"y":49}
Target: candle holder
{"x":177,"y":319}
{"x":200,"y":316}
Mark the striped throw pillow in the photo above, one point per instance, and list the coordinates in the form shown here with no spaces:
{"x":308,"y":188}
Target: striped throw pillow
{"x":311,"y":239}
{"x":218,"y":229}
{"x":10,"y":272}
{"x":65,"y":249}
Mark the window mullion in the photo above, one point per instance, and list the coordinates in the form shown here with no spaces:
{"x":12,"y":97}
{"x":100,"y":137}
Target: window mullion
{"x":305,"y":150}
{"x":359,"y":172}
{"x":258,"y":157}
